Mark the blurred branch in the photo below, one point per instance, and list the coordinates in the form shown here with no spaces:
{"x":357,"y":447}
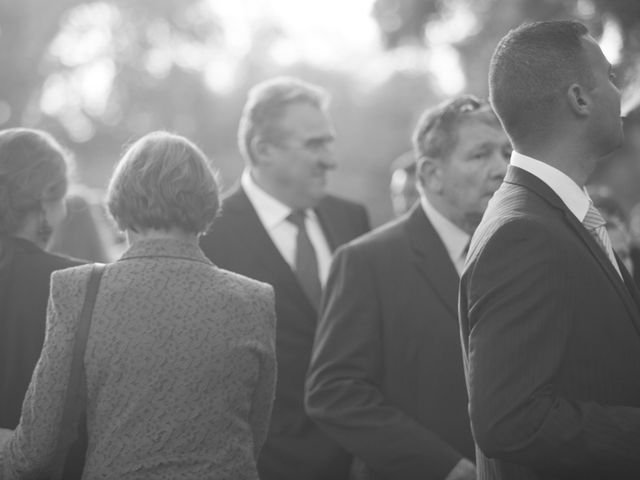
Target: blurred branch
{"x":28,"y":27}
{"x":403,"y":22}
{"x":26,"y":30}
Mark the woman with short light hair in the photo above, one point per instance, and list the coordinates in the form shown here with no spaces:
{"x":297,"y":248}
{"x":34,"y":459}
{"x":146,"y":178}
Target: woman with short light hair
{"x":180,"y":363}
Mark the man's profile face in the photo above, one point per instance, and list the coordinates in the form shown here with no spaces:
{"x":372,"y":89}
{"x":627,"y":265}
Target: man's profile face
{"x":474,"y":170}
{"x":607,"y":124}
{"x":301,"y":155}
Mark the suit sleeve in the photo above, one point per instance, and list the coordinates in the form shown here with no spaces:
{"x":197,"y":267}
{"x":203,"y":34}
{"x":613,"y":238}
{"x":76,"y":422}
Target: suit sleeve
{"x":343,"y":394}
{"x":519,"y":306}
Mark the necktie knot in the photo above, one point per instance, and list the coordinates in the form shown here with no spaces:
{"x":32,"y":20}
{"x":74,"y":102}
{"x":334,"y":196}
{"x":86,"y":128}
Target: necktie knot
{"x":596,"y":226}
{"x":297,"y":217}
{"x":593,"y":220}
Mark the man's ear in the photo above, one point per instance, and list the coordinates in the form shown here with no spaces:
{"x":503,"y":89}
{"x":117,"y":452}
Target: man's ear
{"x":260,"y":150}
{"x":579,"y":100}
{"x":429,"y":174}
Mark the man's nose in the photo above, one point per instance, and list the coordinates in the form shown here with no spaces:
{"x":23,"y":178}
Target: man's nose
{"x":498,"y":165}
{"x":328,"y":159}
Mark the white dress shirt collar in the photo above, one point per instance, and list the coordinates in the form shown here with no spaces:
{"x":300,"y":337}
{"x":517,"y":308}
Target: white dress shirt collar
{"x":271,"y":211}
{"x":454,"y":238}
{"x":273,"y":216}
{"x":575,"y":198}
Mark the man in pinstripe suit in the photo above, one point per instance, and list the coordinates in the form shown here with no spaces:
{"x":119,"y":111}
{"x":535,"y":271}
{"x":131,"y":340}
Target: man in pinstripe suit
{"x":550,"y":319}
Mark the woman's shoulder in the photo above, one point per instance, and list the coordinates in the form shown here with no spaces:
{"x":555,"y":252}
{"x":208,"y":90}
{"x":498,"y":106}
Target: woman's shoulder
{"x":246,"y":293}
{"x":70,"y":281}
{"x":251,"y":300}
{"x":244,"y":283}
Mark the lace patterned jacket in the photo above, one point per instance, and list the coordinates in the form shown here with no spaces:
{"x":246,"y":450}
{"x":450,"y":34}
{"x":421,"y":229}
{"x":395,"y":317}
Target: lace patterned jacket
{"x":180,"y":369}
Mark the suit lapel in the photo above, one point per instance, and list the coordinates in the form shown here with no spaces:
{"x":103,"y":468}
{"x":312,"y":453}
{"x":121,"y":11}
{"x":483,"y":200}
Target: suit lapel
{"x":331,"y":226}
{"x":629,"y":282}
{"x":520,"y":177}
{"x":607,"y":267}
{"x":431,"y":258}
{"x":257,"y":240}
{"x":329,"y":232}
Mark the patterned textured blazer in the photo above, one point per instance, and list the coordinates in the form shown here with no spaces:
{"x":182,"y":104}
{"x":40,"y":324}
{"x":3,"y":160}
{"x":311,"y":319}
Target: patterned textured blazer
{"x":295,"y":449}
{"x":180,"y":368}
{"x":551,"y":335}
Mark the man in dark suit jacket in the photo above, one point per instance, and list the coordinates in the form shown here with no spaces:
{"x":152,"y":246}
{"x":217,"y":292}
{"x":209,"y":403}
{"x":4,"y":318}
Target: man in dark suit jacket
{"x":549,"y":316}
{"x":386,"y":379}
{"x":285,"y":135}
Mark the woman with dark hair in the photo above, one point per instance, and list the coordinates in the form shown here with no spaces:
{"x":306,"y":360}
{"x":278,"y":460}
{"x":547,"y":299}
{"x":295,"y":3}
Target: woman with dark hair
{"x":33,"y":183}
{"x":179,"y":364}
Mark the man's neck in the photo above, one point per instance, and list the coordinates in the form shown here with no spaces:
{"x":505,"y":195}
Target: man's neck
{"x":576,"y":163}
{"x":266,"y":186}
{"x":461,"y":221}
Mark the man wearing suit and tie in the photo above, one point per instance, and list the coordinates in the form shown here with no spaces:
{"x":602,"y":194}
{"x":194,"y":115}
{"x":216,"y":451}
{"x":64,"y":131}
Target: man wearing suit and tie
{"x":386,"y":379}
{"x":281,"y":227}
{"x":549,"y":316}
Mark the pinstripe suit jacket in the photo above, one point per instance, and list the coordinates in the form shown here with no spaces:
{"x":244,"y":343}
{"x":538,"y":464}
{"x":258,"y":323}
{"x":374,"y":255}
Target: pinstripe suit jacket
{"x":551,"y":339}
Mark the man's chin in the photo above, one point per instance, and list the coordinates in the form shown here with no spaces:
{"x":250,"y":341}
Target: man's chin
{"x":313,"y":198}
{"x":609,"y":152}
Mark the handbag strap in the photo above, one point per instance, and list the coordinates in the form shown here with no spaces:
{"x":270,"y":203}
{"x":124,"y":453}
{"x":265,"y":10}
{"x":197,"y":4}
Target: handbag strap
{"x":74,"y":401}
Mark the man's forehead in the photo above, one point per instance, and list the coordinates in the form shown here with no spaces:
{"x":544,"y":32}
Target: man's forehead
{"x":482,"y":127}
{"x":305,"y":118}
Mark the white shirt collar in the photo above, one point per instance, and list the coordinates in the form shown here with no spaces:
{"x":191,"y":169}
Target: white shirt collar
{"x":272,"y":212}
{"x":454,"y":238}
{"x":575,"y":198}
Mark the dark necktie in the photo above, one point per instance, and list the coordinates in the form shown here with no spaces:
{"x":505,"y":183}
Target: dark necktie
{"x":306,"y":262}
{"x":596,"y":225}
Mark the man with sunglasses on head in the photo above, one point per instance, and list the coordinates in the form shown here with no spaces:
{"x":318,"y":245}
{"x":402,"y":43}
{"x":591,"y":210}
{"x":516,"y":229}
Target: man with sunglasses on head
{"x":386,"y":379}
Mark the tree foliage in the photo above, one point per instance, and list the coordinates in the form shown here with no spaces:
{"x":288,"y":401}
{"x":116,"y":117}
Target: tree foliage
{"x":404,"y":21}
{"x":28,"y":28}
{"x":164,"y":64}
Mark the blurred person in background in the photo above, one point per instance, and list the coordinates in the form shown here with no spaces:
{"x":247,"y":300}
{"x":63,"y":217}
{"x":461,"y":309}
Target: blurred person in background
{"x":84,"y":232}
{"x":280,"y":226}
{"x":634,"y":231}
{"x":180,"y":358}
{"x":33,"y":183}
{"x":403,"y":188}
{"x":386,"y":379}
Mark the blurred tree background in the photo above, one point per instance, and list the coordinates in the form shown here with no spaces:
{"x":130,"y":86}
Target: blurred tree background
{"x":100,"y":74}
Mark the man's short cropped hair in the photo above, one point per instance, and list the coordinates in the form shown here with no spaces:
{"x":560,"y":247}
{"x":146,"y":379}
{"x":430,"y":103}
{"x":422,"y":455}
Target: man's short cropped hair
{"x":436,"y":133}
{"x":265,"y":105}
{"x":162,"y":182}
{"x":531,"y":69}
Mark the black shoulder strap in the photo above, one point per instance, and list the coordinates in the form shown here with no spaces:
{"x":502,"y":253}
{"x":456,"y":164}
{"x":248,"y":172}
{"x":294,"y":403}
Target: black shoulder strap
{"x":74,"y":406}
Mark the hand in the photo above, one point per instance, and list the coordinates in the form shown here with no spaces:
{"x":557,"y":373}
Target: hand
{"x":464,"y":470}
{"x":5,"y":435}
